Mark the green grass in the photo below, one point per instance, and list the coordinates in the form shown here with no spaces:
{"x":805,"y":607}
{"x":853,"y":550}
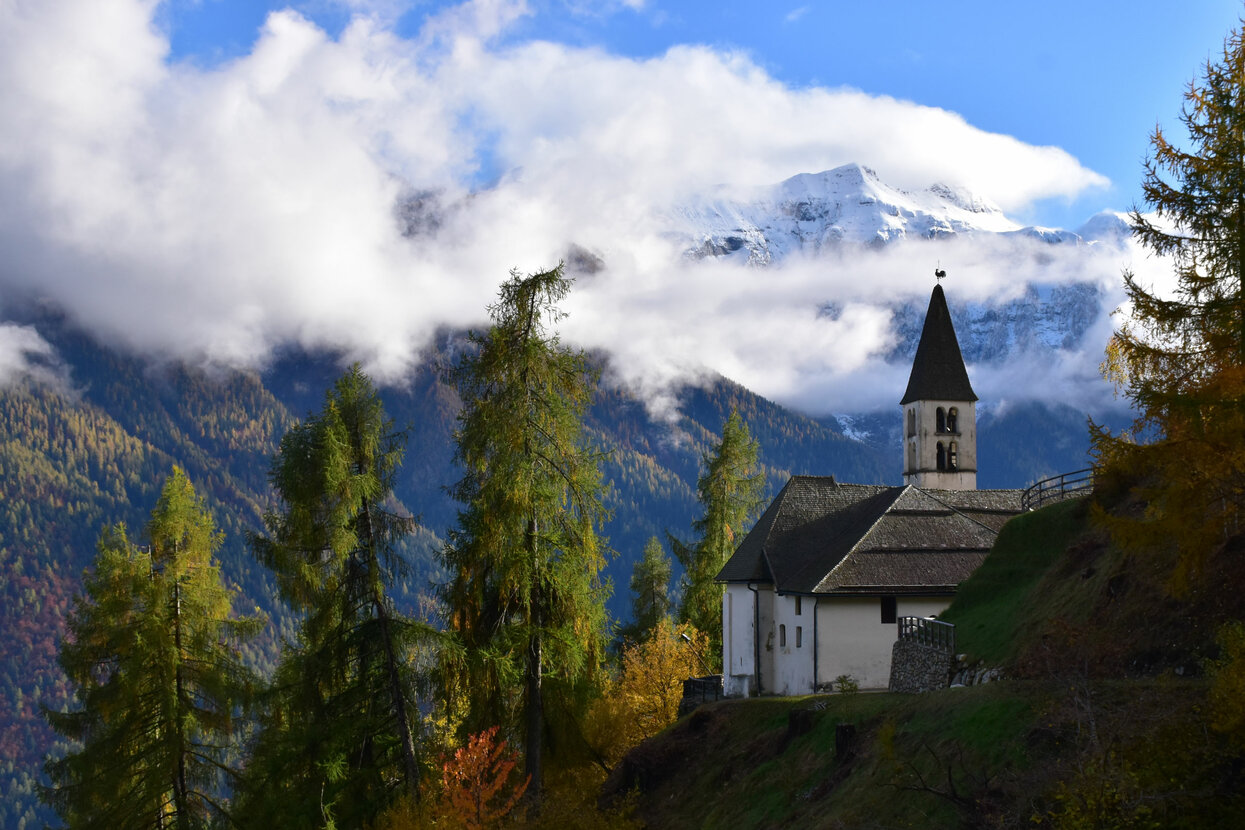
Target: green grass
{"x":746,"y":771}
{"x":990,"y":606}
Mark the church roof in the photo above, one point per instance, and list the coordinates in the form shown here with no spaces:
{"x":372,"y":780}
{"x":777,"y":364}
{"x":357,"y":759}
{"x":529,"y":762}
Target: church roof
{"x":938,"y":371}
{"x":822,"y":537}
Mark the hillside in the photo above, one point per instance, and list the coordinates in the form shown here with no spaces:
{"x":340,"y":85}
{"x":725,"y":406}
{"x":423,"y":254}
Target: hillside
{"x":1102,"y":721}
{"x":74,"y":459}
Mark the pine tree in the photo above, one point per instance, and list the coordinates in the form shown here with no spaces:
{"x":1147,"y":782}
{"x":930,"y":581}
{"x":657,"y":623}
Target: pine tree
{"x":650,"y":589}
{"x":340,"y":741}
{"x":525,"y":598}
{"x":730,"y":493}
{"x":152,"y":656}
{"x":1181,"y":358}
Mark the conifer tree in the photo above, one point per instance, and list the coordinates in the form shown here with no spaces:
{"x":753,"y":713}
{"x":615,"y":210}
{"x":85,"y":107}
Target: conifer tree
{"x":650,"y":589}
{"x":525,"y":598}
{"x":151,"y":653}
{"x":341,"y":739}
{"x":1180,"y":357}
{"x":730,"y":493}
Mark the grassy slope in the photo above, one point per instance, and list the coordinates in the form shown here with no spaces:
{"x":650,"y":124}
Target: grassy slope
{"x":993,"y":610}
{"x":1091,"y":730}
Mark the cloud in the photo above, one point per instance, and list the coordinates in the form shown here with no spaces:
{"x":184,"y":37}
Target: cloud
{"x":216,"y":213}
{"x":24,"y":354}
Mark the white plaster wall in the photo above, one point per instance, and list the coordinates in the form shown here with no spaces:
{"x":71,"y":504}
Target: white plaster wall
{"x":853,"y":640}
{"x":793,"y":664}
{"x":924,"y":446}
{"x":738,"y":655}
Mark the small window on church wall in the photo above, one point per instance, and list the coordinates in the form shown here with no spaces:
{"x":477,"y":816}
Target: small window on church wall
{"x":799,"y":636}
{"x":782,"y":636}
{"x":911,"y":422}
{"x":889,"y":607}
{"x":942,"y":456}
{"x":797,"y":606}
{"x":953,"y":418}
{"x":953,"y":458}
{"x":940,"y":420}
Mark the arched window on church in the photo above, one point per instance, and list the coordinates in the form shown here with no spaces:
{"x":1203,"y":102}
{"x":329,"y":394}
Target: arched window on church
{"x":942,"y":456}
{"x":953,"y":417}
{"x":911,"y":422}
{"x":940,"y":420}
{"x":953,"y":457}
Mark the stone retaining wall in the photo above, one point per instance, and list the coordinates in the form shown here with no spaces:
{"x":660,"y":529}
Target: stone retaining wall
{"x":917,"y":668}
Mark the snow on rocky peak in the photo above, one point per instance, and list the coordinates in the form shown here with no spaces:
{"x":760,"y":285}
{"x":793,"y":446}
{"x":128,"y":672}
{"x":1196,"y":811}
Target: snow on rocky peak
{"x":814,"y":211}
{"x":1107,"y":226}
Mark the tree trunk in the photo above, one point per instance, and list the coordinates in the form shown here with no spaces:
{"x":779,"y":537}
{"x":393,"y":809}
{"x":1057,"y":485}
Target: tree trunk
{"x":399,"y":702}
{"x":535,"y":701}
{"x":180,"y":787}
{"x":396,"y":693}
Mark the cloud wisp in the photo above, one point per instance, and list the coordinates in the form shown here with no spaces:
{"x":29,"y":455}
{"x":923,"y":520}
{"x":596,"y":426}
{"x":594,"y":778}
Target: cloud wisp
{"x":216,"y":213}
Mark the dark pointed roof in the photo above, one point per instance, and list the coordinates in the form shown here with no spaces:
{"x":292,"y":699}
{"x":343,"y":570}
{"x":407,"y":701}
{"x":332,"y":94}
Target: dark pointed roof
{"x":938,"y":372}
{"x":822,"y":537}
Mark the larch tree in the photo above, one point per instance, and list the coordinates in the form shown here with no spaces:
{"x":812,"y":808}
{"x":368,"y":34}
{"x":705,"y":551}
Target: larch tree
{"x":152,"y":655}
{"x":525,"y":598}
{"x":341,"y":739}
{"x":730,"y":493}
{"x":650,"y":589}
{"x":1180,"y":355}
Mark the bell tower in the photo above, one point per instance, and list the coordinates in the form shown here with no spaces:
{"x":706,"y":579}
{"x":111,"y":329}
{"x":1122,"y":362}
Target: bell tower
{"x":939,"y":408}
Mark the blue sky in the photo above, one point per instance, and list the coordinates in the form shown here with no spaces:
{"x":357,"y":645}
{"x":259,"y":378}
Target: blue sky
{"x":215,"y":179}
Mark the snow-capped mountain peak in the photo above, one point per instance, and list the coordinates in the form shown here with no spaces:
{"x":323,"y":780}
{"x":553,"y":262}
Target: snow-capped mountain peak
{"x":811,"y":211}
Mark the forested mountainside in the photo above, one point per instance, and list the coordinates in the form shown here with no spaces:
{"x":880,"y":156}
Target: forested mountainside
{"x":76,"y":459}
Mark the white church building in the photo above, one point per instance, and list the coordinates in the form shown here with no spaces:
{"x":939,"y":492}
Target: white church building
{"x":814,"y":590}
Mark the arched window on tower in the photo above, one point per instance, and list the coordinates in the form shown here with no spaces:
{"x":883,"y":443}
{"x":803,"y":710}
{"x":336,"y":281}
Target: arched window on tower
{"x":953,"y":418}
{"x":911,"y":422}
{"x":953,"y":457}
{"x":912,"y":456}
{"x":942,"y":456}
{"x":940,"y":420}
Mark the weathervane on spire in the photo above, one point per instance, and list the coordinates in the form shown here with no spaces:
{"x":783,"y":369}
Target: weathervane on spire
{"x":939,"y":273}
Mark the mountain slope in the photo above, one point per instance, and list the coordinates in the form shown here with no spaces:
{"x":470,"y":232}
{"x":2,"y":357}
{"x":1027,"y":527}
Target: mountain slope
{"x":74,"y":461}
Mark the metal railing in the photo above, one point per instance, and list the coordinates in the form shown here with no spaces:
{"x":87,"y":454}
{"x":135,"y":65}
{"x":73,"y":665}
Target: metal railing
{"x":928,"y":632}
{"x":698,"y":690}
{"x":1057,"y":488}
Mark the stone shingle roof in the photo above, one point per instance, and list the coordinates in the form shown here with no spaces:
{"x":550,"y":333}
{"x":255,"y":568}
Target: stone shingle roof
{"x":822,"y":537}
{"x":938,"y":372}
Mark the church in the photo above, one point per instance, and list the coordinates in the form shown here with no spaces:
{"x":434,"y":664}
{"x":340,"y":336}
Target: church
{"x":814,"y":591}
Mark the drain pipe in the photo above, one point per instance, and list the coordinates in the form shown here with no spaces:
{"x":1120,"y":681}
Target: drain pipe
{"x":756,"y":636}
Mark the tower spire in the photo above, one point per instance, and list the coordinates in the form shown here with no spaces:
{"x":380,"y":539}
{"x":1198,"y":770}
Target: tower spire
{"x":940,"y":408}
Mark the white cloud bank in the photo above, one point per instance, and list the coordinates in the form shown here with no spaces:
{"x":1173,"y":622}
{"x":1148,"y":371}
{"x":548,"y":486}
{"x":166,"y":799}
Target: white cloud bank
{"x":216,"y":213}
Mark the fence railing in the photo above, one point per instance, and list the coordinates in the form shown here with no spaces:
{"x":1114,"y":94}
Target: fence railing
{"x":1057,"y":488}
{"x":698,"y":690}
{"x":928,"y":632}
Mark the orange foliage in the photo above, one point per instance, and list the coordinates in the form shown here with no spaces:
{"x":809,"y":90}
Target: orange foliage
{"x":476,"y":789}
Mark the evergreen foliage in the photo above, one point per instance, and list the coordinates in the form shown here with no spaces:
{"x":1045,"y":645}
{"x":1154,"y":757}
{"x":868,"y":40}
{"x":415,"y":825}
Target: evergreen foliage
{"x":650,"y":589}
{"x":524,"y":596}
{"x":1181,"y":357}
{"x":341,"y":739}
{"x":730,"y":491}
{"x":156,"y":676}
